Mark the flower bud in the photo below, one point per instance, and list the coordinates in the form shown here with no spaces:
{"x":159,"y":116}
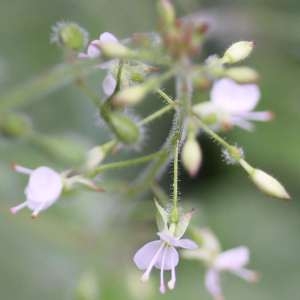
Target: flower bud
{"x":269,"y":185}
{"x":191,"y":156}
{"x":167,"y":13}
{"x":114,"y":49}
{"x":130,"y":96}
{"x":97,"y":154}
{"x":69,"y":35}
{"x":242,"y":74}
{"x":238,"y":51}
{"x":124,"y":128}
{"x":15,"y":125}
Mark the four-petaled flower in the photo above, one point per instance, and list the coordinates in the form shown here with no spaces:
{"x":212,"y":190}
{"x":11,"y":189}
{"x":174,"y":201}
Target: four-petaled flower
{"x":93,"y":51}
{"x":233,"y":261}
{"x":43,"y":189}
{"x":232,"y":104}
{"x":162,"y":254}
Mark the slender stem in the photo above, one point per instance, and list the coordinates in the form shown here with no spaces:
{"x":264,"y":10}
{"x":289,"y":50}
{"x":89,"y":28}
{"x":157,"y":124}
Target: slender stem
{"x":127,"y":163}
{"x":233,"y":151}
{"x":175,"y":183}
{"x":210,"y":132}
{"x":165,"y":97}
{"x":156,"y":114}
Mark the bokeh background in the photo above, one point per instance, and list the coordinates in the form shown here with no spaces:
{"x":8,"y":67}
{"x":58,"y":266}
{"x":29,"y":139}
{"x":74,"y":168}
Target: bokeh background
{"x":88,"y":239}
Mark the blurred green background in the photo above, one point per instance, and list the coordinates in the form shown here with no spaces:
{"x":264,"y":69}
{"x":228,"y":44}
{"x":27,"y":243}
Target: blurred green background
{"x":86,"y":232}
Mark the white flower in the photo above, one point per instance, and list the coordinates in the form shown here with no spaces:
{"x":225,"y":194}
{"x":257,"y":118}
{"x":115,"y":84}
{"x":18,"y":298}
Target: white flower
{"x":233,"y":261}
{"x":162,"y":254}
{"x":93,"y":51}
{"x":43,"y":189}
{"x":232,"y":104}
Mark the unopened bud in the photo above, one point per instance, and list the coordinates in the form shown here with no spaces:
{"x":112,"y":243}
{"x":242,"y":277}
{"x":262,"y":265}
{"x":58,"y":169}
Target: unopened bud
{"x":130,"y":96}
{"x":238,"y":51}
{"x":94,"y":157}
{"x":265,"y":182}
{"x":69,"y":35}
{"x":115,"y":49}
{"x":191,"y":156}
{"x":124,"y":128}
{"x":167,"y":13}
{"x":15,"y":125}
{"x":242,"y":74}
{"x":269,"y":185}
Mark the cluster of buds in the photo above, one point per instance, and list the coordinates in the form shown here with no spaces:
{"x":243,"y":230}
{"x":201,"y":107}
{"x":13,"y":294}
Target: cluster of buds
{"x":181,"y":38}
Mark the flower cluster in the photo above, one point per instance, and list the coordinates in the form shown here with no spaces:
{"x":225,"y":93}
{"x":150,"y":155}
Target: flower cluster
{"x":136,"y":68}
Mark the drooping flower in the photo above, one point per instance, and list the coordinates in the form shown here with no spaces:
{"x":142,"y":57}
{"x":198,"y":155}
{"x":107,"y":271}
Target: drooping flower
{"x":93,"y":51}
{"x":43,"y":189}
{"x":232,"y":104}
{"x":233,"y":261}
{"x":162,"y":254}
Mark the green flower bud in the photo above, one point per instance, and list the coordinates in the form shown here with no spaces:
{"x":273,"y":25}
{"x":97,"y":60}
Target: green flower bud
{"x":167,"y":14}
{"x":15,"y":125}
{"x":191,"y":156}
{"x":115,"y":50}
{"x":69,"y":35}
{"x":237,"y":52}
{"x":124,"y":128}
{"x":130,"y":96}
{"x":265,"y":182}
{"x":242,"y":74}
{"x":269,"y":185}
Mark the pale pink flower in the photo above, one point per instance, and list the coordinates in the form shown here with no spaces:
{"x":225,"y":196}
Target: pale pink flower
{"x":232,"y":104}
{"x":93,"y":51}
{"x":162,"y":254}
{"x":233,"y":261}
{"x":43,"y":189}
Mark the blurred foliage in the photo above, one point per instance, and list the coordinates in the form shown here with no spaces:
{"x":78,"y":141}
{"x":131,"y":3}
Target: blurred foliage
{"x":47,"y":258}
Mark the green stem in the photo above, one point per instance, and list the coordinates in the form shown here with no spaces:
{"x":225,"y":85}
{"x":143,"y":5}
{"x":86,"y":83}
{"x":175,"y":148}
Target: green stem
{"x":126,"y":163}
{"x":174,"y":214}
{"x":165,"y":97}
{"x":233,"y":151}
{"x":156,"y":114}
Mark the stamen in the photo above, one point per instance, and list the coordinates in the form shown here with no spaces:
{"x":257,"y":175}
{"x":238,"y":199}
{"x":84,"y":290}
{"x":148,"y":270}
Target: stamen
{"x":37,"y":211}
{"x":17,"y":208}
{"x":162,"y":283}
{"x":146,"y":275}
{"x":21,"y":169}
{"x":171,"y":283}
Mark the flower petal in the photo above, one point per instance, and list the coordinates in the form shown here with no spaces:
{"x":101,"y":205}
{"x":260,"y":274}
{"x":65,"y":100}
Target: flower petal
{"x":248,"y":275}
{"x":186,"y":244}
{"x":144,"y":255}
{"x":212,"y":284}
{"x":45,"y":186}
{"x":171,"y":259}
{"x":233,"y":259}
{"x":107,"y":37}
{"x":109,"y":84}
{"x":93,"y":50}
{"x":233,"y":97}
